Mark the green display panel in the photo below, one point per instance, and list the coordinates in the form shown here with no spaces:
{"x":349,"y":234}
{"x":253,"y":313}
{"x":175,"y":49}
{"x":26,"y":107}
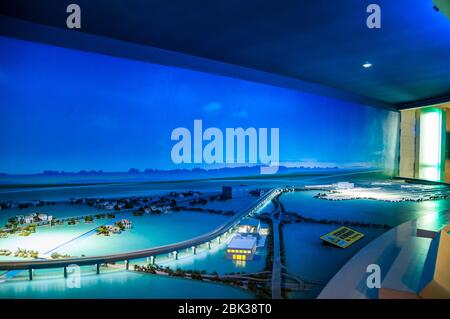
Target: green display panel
{"x":431,"y":151}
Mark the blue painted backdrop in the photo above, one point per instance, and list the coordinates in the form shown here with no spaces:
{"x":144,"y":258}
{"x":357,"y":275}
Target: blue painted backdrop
{"x":62,"y":109}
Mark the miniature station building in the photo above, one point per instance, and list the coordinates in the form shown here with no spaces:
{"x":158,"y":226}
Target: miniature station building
{"x":244,"y":244}
{"x":242,"y":247}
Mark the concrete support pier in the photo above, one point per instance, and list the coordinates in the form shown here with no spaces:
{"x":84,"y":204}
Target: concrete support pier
{"x":175,"y":255}
{"x":127,"y":264}
{"x":194,"y":250}
{"x":98,"y":269}
{"x":150,"y":260}
{"x":30,"y":273}
{"x":65,"y":272}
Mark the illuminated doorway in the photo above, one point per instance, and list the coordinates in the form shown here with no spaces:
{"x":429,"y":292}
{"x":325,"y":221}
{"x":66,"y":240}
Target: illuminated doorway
{"x":431,"y":146}
{"x":423,"y":143}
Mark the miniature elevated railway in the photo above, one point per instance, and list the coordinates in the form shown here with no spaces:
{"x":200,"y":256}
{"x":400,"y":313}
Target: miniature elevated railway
{"x":139,"y":254}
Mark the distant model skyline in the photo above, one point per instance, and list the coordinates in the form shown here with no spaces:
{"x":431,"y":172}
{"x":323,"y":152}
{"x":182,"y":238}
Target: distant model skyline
{"x":66,"y":110}
{"x":207,"y":169}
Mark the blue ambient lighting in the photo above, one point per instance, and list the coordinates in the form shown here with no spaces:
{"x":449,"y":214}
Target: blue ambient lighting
{"x":114,"y":114}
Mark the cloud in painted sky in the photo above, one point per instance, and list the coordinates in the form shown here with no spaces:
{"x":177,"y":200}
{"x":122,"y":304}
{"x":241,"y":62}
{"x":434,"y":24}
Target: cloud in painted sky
{"x":241,"y":113}
{"x":212,"y":107}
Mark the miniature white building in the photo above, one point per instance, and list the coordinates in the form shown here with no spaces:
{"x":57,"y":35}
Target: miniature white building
{"x":249,"y":226}
{"x":35,"y":217}
{"x":28,"y":219}
{"x":345,"y":185}
{"x":110,"y":206}
{"x":114,"y":229}
{"x":241,"y":248}
{"x":264,"y":231}
{"x":126,"y":223}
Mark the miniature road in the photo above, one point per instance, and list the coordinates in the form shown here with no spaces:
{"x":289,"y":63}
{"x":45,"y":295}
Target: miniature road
{"x":276,"y":268}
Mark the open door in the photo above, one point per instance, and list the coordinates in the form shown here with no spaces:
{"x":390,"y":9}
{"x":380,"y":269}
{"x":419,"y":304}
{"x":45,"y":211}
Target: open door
{"x":423,"y":147}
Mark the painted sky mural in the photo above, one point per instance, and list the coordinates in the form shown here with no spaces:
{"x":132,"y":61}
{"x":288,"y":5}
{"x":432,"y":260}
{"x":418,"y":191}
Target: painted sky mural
{"x":62,"y":109}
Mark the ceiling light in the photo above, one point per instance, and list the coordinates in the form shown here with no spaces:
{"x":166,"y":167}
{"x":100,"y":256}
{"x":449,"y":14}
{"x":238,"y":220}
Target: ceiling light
{"x":367,"y":65}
